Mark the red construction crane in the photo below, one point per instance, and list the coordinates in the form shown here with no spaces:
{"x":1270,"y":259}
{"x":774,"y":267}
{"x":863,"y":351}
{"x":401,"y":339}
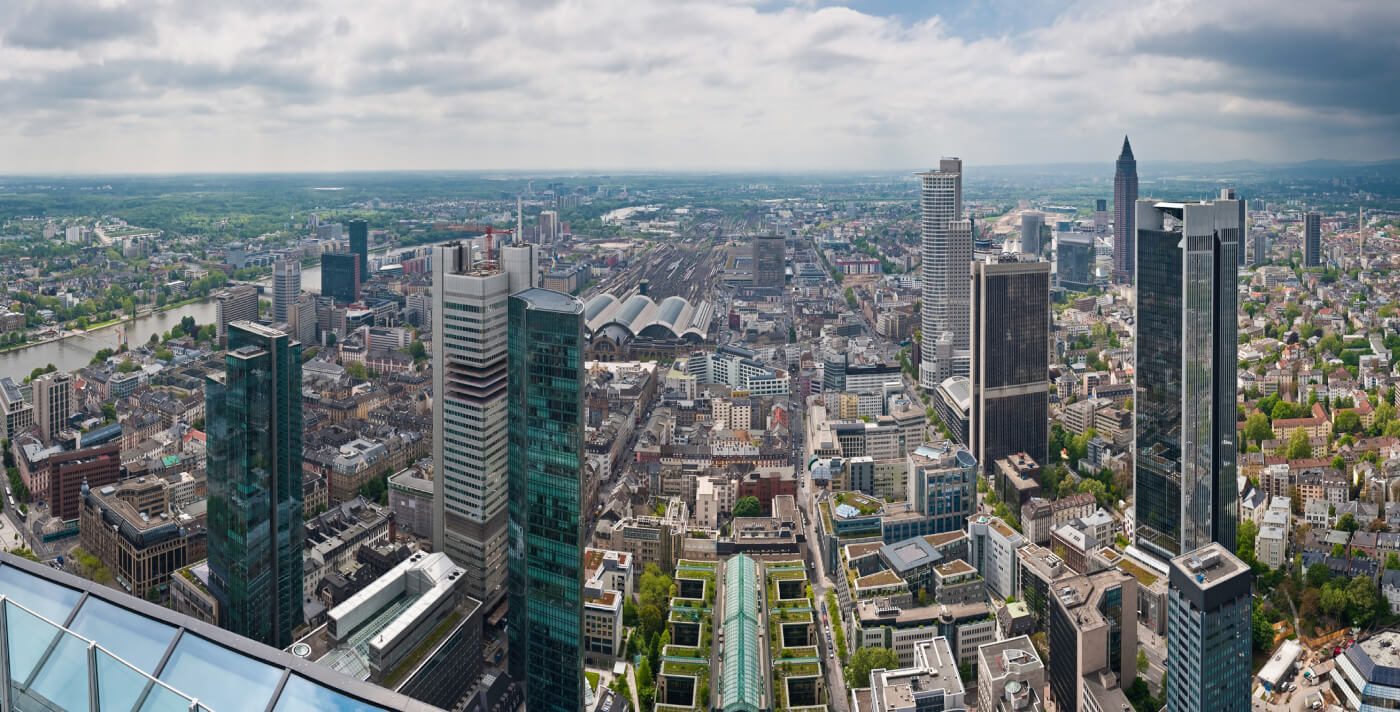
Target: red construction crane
{"x":489,"y":257}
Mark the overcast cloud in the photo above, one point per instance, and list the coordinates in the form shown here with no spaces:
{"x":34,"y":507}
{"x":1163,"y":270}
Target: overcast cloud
{"x":290,"y":85}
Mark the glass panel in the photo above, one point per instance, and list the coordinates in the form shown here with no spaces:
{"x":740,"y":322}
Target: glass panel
{"x":46,"y":598}
{"x":29,"y":638}
{"x":134,"y":638}
{"x":302,"y":694}
{"x":119,"y":685}
{"x":162,"y":699}
{"x":219,"y":677}
{"x":63,"y":680}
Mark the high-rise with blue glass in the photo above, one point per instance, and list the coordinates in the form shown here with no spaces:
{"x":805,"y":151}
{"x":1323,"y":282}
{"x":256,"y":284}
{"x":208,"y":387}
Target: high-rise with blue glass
{"x":1187,"y":351}
{"x":1209,"y":632}
{"x":545,"y":548}
{"x":254,"y":430}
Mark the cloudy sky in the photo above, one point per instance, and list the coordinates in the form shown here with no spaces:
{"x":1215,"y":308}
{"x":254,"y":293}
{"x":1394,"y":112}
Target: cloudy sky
{"x":311,"y":85}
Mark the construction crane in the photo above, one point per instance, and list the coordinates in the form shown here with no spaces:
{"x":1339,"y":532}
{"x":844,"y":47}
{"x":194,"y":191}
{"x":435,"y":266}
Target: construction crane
{"x":488,"y":259}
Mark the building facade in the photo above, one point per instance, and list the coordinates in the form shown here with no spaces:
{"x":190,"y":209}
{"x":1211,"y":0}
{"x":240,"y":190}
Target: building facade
{"x":254,"y":454}
{"x":769,"y":261}
{"x":286,"y":288}
{"x":1186,"y":359}
{"x":1010,"y":361}
{"x":1074,"y":261}
{"x":946,"y":249}
{"x":1125,"y":196}
{"x":234,"y":304}
{"x":340,"y":276}
{"x":1312,"y":239}
{"x":359,"y":245}
{"x":1208,"y":632}
{"x":546,"y":533}
{"x":53,"y":401}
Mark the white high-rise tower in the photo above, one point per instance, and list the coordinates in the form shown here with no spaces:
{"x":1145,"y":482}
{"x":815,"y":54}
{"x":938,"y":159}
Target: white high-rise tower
{"x":286,"y":287}
{"x":946,"y":271}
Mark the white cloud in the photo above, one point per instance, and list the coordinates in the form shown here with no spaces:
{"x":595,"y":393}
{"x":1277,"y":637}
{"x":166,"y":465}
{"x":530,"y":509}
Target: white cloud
{"x":158,"y":85}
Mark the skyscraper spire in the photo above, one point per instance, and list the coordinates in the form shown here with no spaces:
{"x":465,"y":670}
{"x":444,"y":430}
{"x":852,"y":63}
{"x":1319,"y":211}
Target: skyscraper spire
{"x":1127,"y":153}
{"x":1125,"y":193}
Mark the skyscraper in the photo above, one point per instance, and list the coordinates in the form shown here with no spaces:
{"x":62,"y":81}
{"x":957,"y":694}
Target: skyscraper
{"x":549,"y":227}
{"x":1032,"y":225}
{"x":286,"y":287}
{"x":1010,"y":360}
{"x":769,"y":257}
{"x":1125,"y":195}
{"x":1259,"y":248}
{"x":1092,"y":630}
{"x":1209,"y":636}
{"x":1074,"y":260}
{"x":546,"y":470}
{"x":470,"y":455}
{"x":53,"y":402}
{"x":1312,"y":240}
{"x":253,"y":411}
{"x":236,"y":303}
{"x":1100,"y":215}
{"x":359,"y":245}
{"x":947,"y":253}
{"x":1232,"y":194}
{"x":340,"y":276}
{"x":1187,"y":347}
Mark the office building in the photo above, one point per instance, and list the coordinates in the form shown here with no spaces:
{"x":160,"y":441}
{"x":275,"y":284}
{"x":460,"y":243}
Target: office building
{"x":991,"y":547}
{"x":238,"y":303}
{"x":1010,"y":677}
{"x":77,"y":645}
{"x":18,"y":412}
{"x":941,"y":486}
{"x":1092,"y":634}
{"x":933,"y":682}
{"x":131,"y":528}
{"x":1312,"y":239}
{"x":1125,"y":196}
{"x":1232,"y":194}
{"x":1185,"y":421}
{"x":253,"y":412}
{"x":1032,"y":227}
{"x":549,"y":227}
{"x":1100,"y":216}
{"x":1074,"y":260}
{"x":1259,"y":248}
{"x":1367,"y":675}
{"x":286,"y":289}
{"x":340,"y":276}
{"x":53,"y":401}
{"x":769,"y":261}
{"x":946,"y":249}
{"x":71,"y":470}
{"x":1209,"y":639}
{"x":1010,"y":361}
{"x":470,"y":316}
{"x":302,"y":319}
{"x":546,"y":464}
{"x":359,"y":245}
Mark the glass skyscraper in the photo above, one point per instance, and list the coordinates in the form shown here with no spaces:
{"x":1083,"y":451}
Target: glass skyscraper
{"x":1125,"y":195}
{"x":1010,"y":361}
{"x":1209,"y":636}
{"x":341,"y":277}
{"x":1187,"y":344}
{"x":359,"y":245}
{"x":546,"y":469}
{"x":253,"y":411}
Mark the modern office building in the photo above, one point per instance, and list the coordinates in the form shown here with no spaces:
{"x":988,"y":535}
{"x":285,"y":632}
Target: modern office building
{"x":77,"y":645}
{"x":1259,"y":248}
{"x":946,"y":249}
{"x":1125,"y":197}
{"x":1209,"y":639}
{"x":991,"y":549}
{"x":53,"y":402}
{"x":1367,"y":674}
{"x":1312,"y":239}
{"x":941,"y":486}
{"x":549,"y":227}
{"x":359,"y":245}
{"x":470,"y":318}
{"x":131,"y":528}
{"x":253,"y":412}
{"x":1232,"y":194}
{"x":286,"y":288}
{"x":1010,"y":361}
{"x":341,"y":277}
{"x":237,"y":303}
{"x":1032,"y":227}
{"x":1074,"y":260}
{"x":769,"y":261}
{"x":1100,"y":216}
{"x":18,"y":412}
{"x":1010,"y":677}
{"x":546,"y":464}
{"x":1187,"y":351}
{"x":1092,"y":634}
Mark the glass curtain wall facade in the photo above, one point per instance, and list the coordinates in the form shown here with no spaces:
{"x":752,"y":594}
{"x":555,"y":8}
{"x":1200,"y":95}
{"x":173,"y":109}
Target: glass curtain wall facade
{"x":1010,"y":361}
{"x":546,"y":470}
{"x":340,"y":277}
{"x":359,"y":245}
{"x":1187,"y":347}
{"x":254,"y":457}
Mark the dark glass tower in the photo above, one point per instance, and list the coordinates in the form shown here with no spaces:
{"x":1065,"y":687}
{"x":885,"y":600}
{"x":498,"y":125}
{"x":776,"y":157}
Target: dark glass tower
{"x":545,"y":550}
{"x":1209,"y":636}
{"x":1187,"y":345}
{"x":1312,"y":240}
{"x":340,"y":276}
{"x":255,"y":484}
{"x":359,"y":245}
{"x":1125,"y":195}
{"x":1010,"y":360}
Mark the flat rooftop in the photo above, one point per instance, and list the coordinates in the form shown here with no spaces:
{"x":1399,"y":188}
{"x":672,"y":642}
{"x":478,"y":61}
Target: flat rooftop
{"x":1209,"y":565}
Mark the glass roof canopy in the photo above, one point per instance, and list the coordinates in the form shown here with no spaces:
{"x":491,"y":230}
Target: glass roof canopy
{"x":70,"y":644}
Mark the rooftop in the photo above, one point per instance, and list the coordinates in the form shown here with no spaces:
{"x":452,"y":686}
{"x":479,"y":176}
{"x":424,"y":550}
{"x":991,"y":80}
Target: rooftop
{"x":1209,"y":565}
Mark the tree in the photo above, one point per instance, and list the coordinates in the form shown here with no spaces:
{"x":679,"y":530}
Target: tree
{"x":1283,"y":410}
{"x":356,"y":370}
{"x":1361,"y":600}
{"x":1318,"y":575}
{"x":418,"y":351}
{"x":1244,"y":540}
{"x":747,"y":507}
{"x":1334,"y":601}
{"x":630,"y":614}
{"x":863,"y":660}
{"x":1347,"y":421}
{"x":127,"y":366}
{"x":1095,"y":488}
{"x":1257,"y":428}
{"x":1262,"y":630}
{"x":1298,"y":446}
{"x":1348,"y":523}
{"x":1141,"y":661}
{"x":1392,"y":561}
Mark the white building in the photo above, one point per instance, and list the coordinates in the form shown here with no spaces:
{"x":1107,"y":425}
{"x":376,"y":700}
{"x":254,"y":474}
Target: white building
{"x":992,"y":546}
{"x":946,"y":251}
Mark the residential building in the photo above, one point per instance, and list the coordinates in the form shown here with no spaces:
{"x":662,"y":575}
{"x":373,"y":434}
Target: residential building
{"x":254,"y":455}
{"x":1092,"y":634}
{"x":1125,"y":198}
{"x":946,"y":250}
{"x":546,"y":351}
{"x":1010,"y":677}
{"x":1010,"y":361}
{"x":239,"y":303}
{"x":1209,"y":631}
{"x":1186,"y":493}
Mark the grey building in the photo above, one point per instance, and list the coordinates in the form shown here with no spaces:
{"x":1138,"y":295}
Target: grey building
{"x":946,"y":249}
{"x":411,"y":501}
{"x":1092,"y":634}
{"x":1208,"y":632}
{"x":1100,"y":216}
{"x":1125,"y":195}
{"x":1074,"y":260}
{"x":1259,"y":248}
{"x":1010,"y":677}
{"x":1312,"y":239}
{"x":234,"y":304}
{"x":53,"y":402}
{"x":1187,"y":349}
{"x":1232,"y":194}
{"x":1032,"y":229}
{"x":286,"y":287}
{"x":769,"y":261}
{"x":1010,"y":361}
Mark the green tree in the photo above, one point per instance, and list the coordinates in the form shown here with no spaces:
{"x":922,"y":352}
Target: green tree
{"x":1347,"y":421}
{"x":863,"y":660}
{"x":1298,"y":447}
{"x":1257,"y":428}
{"x":1362,"y":600}
{"x":356,"y":370}
{"x":1392,"y":561}
{"x":127,"y":366}
{"x":1348,"y":523}
{"x":418,"y":351}
{"x":1244,"y":540}
{"x":1141,"y":661}
{"x":1318,"y":575}
{"x":1261,"y":629}
{"x":1334,"y":601}
{"x":747,"y":507}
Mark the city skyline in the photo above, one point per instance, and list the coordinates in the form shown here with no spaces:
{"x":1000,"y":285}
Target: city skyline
{"x":170,"y":89}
